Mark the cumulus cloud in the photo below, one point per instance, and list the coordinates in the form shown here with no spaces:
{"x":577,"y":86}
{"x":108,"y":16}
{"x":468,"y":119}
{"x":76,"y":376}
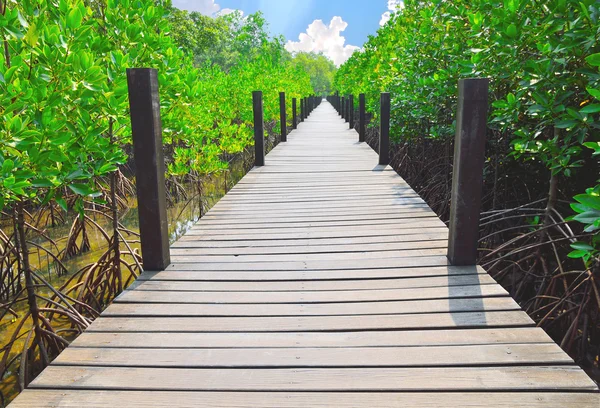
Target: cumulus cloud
{"x":326,"y":39}
{"x":393,"y":6}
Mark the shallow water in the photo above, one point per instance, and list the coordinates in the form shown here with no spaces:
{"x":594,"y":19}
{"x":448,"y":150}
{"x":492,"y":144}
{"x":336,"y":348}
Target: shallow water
{"x":182,"y":216}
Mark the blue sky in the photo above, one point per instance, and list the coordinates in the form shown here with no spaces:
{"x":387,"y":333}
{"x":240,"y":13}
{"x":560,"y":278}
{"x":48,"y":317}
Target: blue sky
{"x":343,"y":27}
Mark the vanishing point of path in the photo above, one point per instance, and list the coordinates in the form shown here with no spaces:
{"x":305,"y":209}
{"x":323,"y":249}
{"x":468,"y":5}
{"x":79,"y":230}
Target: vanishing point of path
{"x":320,"y":280}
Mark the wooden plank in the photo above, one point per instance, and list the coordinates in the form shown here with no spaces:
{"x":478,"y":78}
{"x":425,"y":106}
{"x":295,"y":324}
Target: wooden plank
{"x":318,"y":309}
{"x":322,"y":285}
{"x":260,"y":241}
{"x":322,"y":379}
{"x":197,"y":248}
{"x":320,"y":212}
{"x":212,"y":219}
{"x":174,"y":274}
{"x":443,"y":356}
{"x":202,"y":230}
{"x":336,"y":296}
{"x":339,"y":204}
{"x":318,"y":234}
{"x":313,"y":323}
{"x":405,"y":338}
{"x":321,"y":256}
{"x":179,"y":399}
{"x":420,"y":261}
{"x":205,"y":225}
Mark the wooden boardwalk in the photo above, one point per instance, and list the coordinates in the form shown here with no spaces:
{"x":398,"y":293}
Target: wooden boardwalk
{"x":320,"y":280}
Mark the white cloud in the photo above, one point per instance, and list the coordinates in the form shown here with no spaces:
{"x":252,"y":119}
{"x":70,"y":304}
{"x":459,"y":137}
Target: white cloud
{"x":326,"y":39}
{"x":393,"y":6}
{"x":206,"y":7}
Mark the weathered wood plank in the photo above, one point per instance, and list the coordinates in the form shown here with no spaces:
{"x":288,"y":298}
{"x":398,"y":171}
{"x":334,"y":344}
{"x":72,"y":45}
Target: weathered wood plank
{"x":313,"y":323}
{"x":334,"y":296}
{"x":317,"y":309}
{"x":321,"y":256}
{"x":310,"y":285}
{"x":174,"y":274}
{"x":322,"y":379}
{"x":405,"y":262}
{"x":444,"y":356}
{"x":178,"y":399}
{"x":406,"y":338}
{"x":198,"y":248}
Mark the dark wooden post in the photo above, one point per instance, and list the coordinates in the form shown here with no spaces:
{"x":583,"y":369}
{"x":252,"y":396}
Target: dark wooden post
{"x":259,"y":128}
{"x":301,"y":109}
{"x":384,"y":129}
{"x":294,"y":118}
{"x":362,"y":118}
{"x":343,"y":112}
{"x":467,"y":172}
{"x":351,"y":113}
{"x":146,"y":129}
{"x":282,"y":117}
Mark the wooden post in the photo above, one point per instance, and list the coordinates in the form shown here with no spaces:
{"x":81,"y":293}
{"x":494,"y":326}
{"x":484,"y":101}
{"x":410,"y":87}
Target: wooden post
{"x":301,"y":109}
{"x":384,"y":130}
{"x":467,"y":172}
{"x":351,"y":113}
{"x":146,"y":130}
{"x":282,"y":117}
{"x":347,"y":110}
{"x":259,"y":129}
{"x":294,"y":118}
{"x":362,"y":118}
{"x":343,"y":112}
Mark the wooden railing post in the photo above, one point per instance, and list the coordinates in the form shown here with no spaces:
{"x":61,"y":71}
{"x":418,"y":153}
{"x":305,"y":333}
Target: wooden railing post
{"x":146,"y":130}
{"x":467,"y":172}
{"x":301,"y":109}
{"x":384,"y":130}
{"x":351,"y":113}
{"x":362,"y":118}
{"x":294,"y":118}
{"x":259,"y":128}
{"x":343,"y":113}
{"x":282,"y":117}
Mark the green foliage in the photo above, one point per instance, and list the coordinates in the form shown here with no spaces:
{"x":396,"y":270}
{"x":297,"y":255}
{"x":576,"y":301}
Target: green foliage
{"x":542,"y":58}
{"x":320,"y":68}
{"x":63,"y":90}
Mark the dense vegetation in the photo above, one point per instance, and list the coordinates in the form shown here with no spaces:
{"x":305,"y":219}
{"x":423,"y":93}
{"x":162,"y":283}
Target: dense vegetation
{"x":543,"y":142}
{"x":65,"y":137}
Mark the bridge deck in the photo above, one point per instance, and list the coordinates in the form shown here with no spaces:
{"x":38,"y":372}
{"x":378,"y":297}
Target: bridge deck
{"x":319,"y":280}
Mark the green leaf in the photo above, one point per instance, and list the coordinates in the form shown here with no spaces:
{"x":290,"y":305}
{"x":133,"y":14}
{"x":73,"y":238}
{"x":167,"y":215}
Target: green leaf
{"x":62,"y":203}
{"x":81,"y":189}
{"x":74,"y":18}
{"x":593,"y":60}
{"x":511,"y":31}
{"x":31,"y":37}
{"x":594,"y":92}
{"x":564,"y":124}
{"x":42,"y":183}
{"x":589,"y":200}
{"x":582,"y":246}
{"x":577,"y":254}
{"x":8,"y":165}
{"x":594,"y":108}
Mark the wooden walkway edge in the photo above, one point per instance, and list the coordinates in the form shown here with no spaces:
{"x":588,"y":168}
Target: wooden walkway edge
{"x":319,"y":280}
